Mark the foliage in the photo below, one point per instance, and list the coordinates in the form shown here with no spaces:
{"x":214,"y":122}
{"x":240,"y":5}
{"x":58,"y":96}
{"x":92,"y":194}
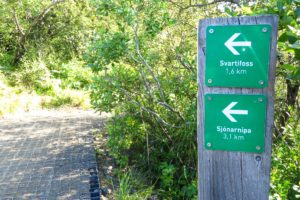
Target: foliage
{"x":144,"y":61}
{"x":42,"y":43}
{"x":285,"y":163}
{"x":67,"y":98}
{"x":142,"y":54}
{"x":127,"y":185}
{"x":33,"y":75}
{"x":285,"y":177}
{"x":35,"y":29}
{"x":73,"y":74}
{"x":57,"y":87}
{"x":15,"y":99}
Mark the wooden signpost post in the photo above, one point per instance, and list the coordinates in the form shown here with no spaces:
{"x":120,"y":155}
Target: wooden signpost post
{"x":236,"y":75}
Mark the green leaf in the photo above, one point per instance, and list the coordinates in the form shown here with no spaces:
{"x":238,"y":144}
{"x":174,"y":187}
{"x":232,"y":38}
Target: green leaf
{"x":287,"y":20}
{"x":296,"y":74}
{"x":292,"y":37}
{"x":288,"y":67}
{"x":296,"y":45}
{"x":283,"y":37}
{"x":281,"y":45}
{"x":247,"y":10}
{"x":297,"y":12}
{"x":297,"y":54}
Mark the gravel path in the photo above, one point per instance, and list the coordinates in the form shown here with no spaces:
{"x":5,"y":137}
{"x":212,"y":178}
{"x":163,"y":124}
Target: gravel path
{"x":49,"y":155}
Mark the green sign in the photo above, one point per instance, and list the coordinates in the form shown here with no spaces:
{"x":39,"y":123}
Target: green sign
{"x":235,"y":122}
{"x":238,"y":56}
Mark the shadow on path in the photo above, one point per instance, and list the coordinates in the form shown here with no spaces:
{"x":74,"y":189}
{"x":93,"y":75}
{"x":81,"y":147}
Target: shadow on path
{"x":49,"y":155}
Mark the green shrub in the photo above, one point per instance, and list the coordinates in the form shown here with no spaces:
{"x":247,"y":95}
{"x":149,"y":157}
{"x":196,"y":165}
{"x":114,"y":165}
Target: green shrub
{"x":73,"y":74}
{"x":67,"y":98}
{"x":149,"y":83}
{"x":34,"y":75}
{"x":16,"y":99}
{"x":46,"y":78}
{"x":151,"y":93}
{"x":131,"y":188}
{"x":285,"y":175}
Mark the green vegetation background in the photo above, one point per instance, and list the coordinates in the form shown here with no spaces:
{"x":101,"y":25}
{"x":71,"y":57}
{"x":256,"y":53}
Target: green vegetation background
{"x":137,"y":60}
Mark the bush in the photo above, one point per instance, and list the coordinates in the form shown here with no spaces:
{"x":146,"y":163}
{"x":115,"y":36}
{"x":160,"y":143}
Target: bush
{"x":285,"y":175}
{"x":131,"y":188}
{"x":67,"y":98}
{"x":73,"y":74}
{"x":149,"y":83}
{"x":34,"y":75}
{"x":16,"y":99}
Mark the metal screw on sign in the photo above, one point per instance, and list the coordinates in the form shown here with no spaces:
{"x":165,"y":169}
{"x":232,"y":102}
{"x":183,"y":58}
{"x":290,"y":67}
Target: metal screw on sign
{"x":264,"y":29}
{"x":258,"y":158}
{"x":223,"y":111}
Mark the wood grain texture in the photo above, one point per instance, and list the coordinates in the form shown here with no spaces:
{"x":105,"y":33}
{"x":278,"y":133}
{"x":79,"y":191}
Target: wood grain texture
{"x":225,"y":175}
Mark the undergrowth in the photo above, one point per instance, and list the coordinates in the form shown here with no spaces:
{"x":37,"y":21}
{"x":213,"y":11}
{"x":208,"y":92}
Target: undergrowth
{"x":15,"y":99}
{"x":38,"y":84}
{"x":131,"y":187}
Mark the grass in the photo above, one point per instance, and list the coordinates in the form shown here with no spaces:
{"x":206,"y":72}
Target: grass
{"x":129,"y":188}
{"x":19,"y":99}
{"x":14,"y":99}
{"x":34,"y":86}
{"x":123,"y":184}
{"x":67,"y":98}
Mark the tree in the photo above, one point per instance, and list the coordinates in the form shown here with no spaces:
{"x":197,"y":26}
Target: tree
{"x":39,"y":28}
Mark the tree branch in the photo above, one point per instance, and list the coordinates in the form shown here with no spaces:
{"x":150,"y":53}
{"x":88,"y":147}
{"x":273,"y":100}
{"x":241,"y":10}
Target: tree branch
{"x":184,"y":64}
{"x":137,"y":44}
{"x":24,"y":33}
{"x":147,"y":85}
{"x":42,"y":15}
{"x":211,"y":3}
{"x":157,"y":116}
{"x":182,"y":8}
{"x":20,"y":29}
{"x":126,"y":93}
{"x":164,"y":104}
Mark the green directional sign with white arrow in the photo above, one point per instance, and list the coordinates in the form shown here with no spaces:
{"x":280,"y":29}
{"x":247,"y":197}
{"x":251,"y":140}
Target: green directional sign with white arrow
{"x":235,"y":122}
{"x":238,"y":55}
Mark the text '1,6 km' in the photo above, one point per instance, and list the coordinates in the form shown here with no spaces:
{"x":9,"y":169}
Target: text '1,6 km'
{"x":236,"y":75}
{"x":238,"y":56}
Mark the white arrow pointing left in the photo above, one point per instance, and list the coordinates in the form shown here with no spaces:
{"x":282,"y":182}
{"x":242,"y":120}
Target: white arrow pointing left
{"x":228,"y":112}
{"x":230,"y":44}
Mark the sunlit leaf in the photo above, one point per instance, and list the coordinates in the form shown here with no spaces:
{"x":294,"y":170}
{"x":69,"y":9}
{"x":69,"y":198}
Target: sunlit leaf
{"x":296,"y":45}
